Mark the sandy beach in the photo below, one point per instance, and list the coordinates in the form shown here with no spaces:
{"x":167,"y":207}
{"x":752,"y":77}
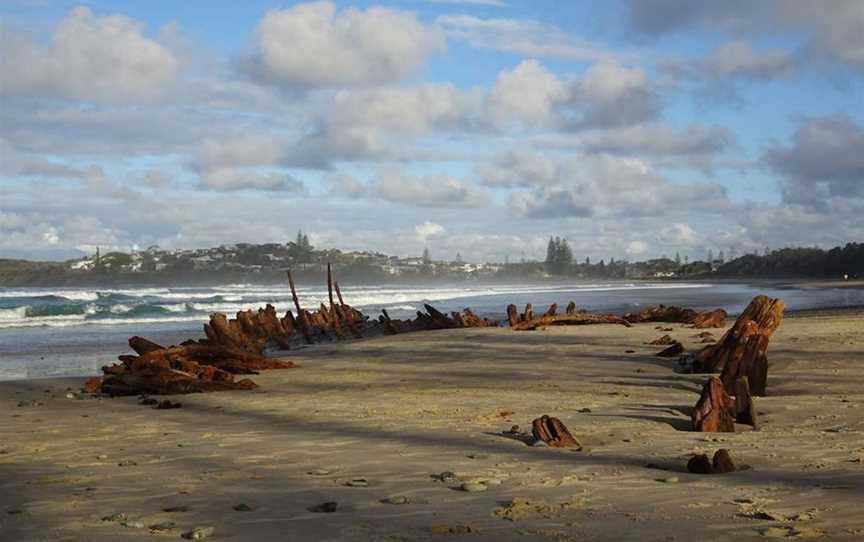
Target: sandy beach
{"x":372,"y":424}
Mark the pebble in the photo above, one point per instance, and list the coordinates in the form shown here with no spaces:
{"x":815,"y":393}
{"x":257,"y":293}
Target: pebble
{"x":242,"y":507}
{"x":14,"y":511}
{"x":119,"y":516}
{"x":397,"y":499}
{"x":127,"y":463}
{"x":325,"y":508}
{"x":584,"y":410}
{"x":162,"y":527}
{"x":133,"y":524}
{"x":71,"y":396}
{"x":474,"y":487}
{"x":199,"y":533}
{"x":102,"y":457}
{"x":357,"y":482}
{"x":319,"y":472}
{"x":669,"y":480}
{"x":539,"y":444}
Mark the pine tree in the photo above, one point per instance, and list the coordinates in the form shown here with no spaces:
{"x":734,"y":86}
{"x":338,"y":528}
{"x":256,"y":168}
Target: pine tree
{"x":678,"y":259}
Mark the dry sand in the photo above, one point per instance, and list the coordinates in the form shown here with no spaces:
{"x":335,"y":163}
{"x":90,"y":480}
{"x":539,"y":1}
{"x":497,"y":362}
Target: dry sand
{"x":397,"y":410}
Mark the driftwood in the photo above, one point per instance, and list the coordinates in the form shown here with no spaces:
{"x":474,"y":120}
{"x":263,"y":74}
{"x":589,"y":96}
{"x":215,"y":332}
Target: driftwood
{"x":512,"y":315}
{"x":434,"y":319}
{"x":742,"y":350}
{"x":715,"y":410}
{"x":578,"y":318}
{"x":663,"y":313}
{"x":189,"y":368}
{"x":745,"y":409}
{"x":674,"y":350}
{"x":553,"y":432}
{"x":661,"y":341}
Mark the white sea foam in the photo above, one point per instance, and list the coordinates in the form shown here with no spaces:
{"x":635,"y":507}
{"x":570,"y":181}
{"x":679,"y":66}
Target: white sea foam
{"x":238,"y":297}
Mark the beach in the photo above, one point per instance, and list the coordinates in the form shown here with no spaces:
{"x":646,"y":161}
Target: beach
{"x":371,"y":425}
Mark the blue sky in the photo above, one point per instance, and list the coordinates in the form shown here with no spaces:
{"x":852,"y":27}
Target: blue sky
{"x":632,"y":128}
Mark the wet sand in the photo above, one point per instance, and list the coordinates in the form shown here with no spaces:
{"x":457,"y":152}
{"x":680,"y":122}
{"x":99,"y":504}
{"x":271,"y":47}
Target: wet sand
{"x":394,"y":411}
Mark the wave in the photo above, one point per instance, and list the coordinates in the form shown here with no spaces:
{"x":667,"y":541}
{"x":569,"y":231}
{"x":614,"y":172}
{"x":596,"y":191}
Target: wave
{"x":64,"y":307}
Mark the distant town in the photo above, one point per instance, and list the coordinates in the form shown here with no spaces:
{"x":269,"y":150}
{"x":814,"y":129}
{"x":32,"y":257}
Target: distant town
{"x":268,"y":262}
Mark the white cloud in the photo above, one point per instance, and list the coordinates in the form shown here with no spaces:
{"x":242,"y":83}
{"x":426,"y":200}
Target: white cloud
{"x":230,"y":179}
{"x":824,"y":161}
{"x":520,"y":167}
{"x":312,"y":45}
{"x":429,"y":230}
{"x":636,"y":248}
{"x":614,"y":95}
{"x":345,"y":186}
{"x":428,"y":191}
{"x":658,"y":139}
{"x":493,"y":3}
{"x":529,"y":92}
{"x":525,"y":37}
{"x":739,"y":59}
{"x":89,"y":58}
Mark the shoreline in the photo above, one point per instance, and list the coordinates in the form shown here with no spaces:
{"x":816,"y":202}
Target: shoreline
{"x":394,"y":411}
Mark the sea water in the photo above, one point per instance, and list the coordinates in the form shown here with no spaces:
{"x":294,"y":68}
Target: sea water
{"x":74,"y":331}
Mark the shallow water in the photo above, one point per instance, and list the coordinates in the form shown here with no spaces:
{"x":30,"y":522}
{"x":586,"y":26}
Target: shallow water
{"x":74,"y":331}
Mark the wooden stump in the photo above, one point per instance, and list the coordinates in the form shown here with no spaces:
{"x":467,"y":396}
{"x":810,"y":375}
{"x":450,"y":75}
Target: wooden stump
{"x":723,"y":462}
{"x":571,"y":308}
{"x":700,"y":464}
{"x":528,"y":315}
{"x":512,"y":315}
{"x":742,"y":350}
{"x":715,"y":318}
{"x":676,"y":349}
{"x":715,"y":410}
{"x":552,"y":310}
{"x":720,"y":464}
{"x":553,"y":432}
{"x":745,"y":409}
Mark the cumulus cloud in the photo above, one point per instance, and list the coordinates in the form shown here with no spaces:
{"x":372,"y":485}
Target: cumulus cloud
{"x":429,"y":230}
{"x":830,"y":31}
{"x":427,"y":191}
{"x":88,"y":58}
{"x":610,"y":186}
{"x":825,"y":160}
{"x":615,"y":95}
{"x":520,"y":167}
{"x":529,"y":92}
{"x":407,"y":110}
{"x":312,"y":46}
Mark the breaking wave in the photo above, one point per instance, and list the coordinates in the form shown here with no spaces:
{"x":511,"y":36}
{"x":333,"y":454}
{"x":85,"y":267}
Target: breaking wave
{"x":33,"y":307}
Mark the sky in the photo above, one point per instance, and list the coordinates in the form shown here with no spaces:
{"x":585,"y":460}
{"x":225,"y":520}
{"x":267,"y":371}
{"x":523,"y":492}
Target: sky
{"x":632,"y":128}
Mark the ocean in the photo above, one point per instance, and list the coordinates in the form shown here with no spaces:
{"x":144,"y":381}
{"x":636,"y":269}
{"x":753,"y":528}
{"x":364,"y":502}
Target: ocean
{"x":50,"y":332}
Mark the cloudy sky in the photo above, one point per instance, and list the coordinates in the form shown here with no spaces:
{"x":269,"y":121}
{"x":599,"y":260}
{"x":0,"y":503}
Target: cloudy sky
{"x":633,"y":128}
